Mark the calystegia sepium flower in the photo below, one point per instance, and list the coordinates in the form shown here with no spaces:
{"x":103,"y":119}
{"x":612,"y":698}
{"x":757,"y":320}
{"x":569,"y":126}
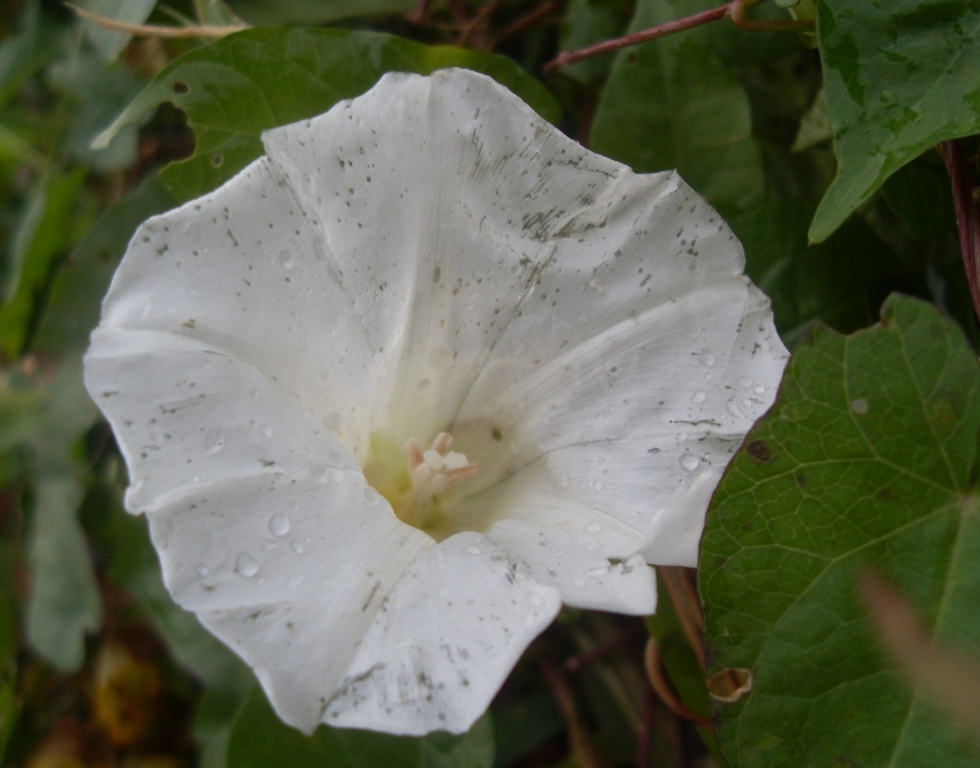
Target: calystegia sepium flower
{"x":418,"y":376}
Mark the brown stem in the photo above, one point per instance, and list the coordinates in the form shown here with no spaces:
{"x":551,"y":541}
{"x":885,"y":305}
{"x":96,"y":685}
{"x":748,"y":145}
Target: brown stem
{"x":736,"y":10}
{"x":967,"y":216}
{"x":684,"y":596}
{"x":659,"y":683}
{"x":565,"y":58}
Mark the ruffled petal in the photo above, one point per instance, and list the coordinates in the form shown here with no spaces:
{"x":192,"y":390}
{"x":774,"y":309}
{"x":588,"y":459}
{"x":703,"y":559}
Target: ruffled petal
{"x":290,"y":571}
{"x":245,"y":272}
{"x":503,"y":240}
{"x":444,"y":641}
{"x":627,"y":423}
{"x":188,"y":416}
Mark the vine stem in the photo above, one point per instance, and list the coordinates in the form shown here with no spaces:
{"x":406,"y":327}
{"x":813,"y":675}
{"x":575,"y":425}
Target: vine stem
{"x":736,"y":10}
{"x":150,"y":30}
{"x":967,"y":216}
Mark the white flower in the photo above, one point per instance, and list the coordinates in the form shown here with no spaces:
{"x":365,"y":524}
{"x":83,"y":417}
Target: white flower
{"x":415,"y":378}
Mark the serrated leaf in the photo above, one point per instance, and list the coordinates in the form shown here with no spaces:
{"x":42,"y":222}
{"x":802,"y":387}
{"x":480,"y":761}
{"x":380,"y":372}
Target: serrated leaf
{"x":237,"y":87}
{"x":672,"y":104}
{"x":867,"y":459}
{"x":901,"y":76}
{"x":261,"y":740}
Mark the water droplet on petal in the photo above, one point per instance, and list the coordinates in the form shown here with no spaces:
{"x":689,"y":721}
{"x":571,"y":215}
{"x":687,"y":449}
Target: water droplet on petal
{"x":471,"y":550}
{"x":202,"y":570}
{"x":707,"y":358}
{"x":599,"y":485}
{"x":593,"y":528}
{"x":372,"y":497}
{"x":597,"y":573}
{"x":699,"y":397}
{"x":690,"y":462}
{"x":744,"y":381}
{"x":214,"y":441}
{"x":297,"y":547}
{"x":295,"y":580}
{"x":279,"y":524}
{"x":760,"y":390}
{"x":286,"y":258}
{"x":859,"y":406}
{"x":247,"y":565}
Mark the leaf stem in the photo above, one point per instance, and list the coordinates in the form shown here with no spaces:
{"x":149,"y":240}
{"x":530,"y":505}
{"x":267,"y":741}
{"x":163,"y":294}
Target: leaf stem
{"x":150,"y":30}
{"x":736,"y":10}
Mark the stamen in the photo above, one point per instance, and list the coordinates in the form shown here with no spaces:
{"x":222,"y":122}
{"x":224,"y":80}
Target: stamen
{"x":438,"y":469}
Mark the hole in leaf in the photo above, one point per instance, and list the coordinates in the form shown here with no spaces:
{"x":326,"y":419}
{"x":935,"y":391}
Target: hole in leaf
{"x":730,"y":684}
{"x":181,"y":88}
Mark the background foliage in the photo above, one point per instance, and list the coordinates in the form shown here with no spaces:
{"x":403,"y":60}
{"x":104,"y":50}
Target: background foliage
{"x":828,"y":150}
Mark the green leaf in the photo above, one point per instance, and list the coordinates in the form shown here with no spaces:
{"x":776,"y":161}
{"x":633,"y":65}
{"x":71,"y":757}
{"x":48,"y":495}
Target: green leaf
{"x":42,"y":235}
{"x":239,"y":86}
{"x":901,"y":76}
{"x":672,"y":104}
{"x":261,"y":740}
{"x":64,"y":602}
{"x":867,"y":459}
{"x":840,"y":282}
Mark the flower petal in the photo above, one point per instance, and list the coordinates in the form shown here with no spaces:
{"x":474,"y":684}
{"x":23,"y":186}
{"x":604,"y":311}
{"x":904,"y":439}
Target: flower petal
{"x":188,"y":416}
{"x":444,"y":642}
{"x":248,"y":275}
{"x":289,"y":571}
{"x":482,"y":202}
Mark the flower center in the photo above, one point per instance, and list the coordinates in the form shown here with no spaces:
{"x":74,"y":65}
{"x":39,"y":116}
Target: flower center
{"x":415,"y":479}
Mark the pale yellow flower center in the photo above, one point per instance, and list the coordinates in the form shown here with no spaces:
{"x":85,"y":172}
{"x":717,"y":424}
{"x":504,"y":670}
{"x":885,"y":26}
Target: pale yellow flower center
{"x":415,"y":481}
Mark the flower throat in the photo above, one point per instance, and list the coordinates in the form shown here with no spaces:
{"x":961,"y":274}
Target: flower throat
{"x":413,"y":479}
